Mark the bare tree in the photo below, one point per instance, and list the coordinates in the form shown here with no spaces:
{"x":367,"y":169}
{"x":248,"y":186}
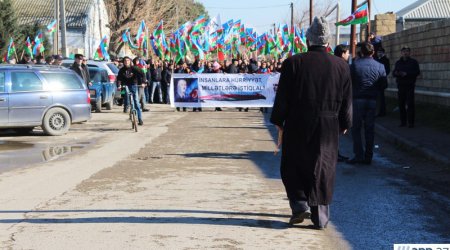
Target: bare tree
{"x":125,"y":14}
{"x":301,"y":13}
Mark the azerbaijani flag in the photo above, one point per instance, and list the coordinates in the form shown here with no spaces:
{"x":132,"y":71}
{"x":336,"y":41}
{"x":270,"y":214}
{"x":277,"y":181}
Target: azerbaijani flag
{"x":102,"y":52}
{"x":51,"y":27}
{"x":141,"y":34}
{"x":11,"y":51}
{"x":198,"y":24}
{"x":28,"y":49}
{"x":124,"y":37}
{"x":360,"y":16}
{"x":38,"y":45}
{"x":159,"y":29}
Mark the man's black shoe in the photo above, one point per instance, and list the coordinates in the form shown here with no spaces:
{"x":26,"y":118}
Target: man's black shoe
{"x":125,"y":110}
{"x":319,"y":227}
{"x":140,"y":123}
{"x":367,"y":161}
{"x":354,"y":161}
{"x":342,"y":158}
{"x":298,"y":218}
{"x":145,"y":110}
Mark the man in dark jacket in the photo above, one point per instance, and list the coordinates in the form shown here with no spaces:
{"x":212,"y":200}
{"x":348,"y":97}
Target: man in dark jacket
{"x":156,"y":74}
{"x":367,"y":78}
{"x":166,"y":76}
{"x":382,"y":58}
{"x":233,"y":69}
{"x":80,"y":69}
{"x":312,"y":105}
{"x":130,"y":76}
{"x":406,"y":71}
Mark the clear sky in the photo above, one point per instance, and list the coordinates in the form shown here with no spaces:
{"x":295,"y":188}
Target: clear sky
{"x":262,"y":14}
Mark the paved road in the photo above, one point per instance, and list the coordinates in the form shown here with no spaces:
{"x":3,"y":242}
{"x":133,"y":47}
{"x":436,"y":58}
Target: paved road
{"x":194,"y":180}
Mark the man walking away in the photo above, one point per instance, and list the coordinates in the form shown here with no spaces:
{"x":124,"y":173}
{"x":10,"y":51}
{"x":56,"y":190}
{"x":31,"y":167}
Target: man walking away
{"x":312,"y":105}
{"x":367,"y":78}
{"x":406,"y":71}
{"x":342,"y":51}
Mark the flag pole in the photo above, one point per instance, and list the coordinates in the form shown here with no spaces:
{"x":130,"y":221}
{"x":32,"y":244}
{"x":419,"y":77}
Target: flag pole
{"x":17,"y":58}
{"x":147,"y":42}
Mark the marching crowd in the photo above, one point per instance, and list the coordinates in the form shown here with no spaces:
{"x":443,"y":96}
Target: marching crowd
{"x":153,"y":81}
{"x":318,"y":97}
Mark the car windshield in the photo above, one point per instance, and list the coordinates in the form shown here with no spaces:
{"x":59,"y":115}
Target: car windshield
{"x":113,"y":68}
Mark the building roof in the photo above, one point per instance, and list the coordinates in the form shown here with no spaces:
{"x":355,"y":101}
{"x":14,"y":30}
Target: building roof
{"x":43,"y":12}
{"x":426,"y":9}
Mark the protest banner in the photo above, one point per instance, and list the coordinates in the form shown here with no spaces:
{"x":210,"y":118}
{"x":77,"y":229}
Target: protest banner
{"x":223,"y":90}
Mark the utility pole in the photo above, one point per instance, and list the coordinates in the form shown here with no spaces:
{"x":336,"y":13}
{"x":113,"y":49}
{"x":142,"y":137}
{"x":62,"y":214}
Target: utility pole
{"x":292,"y":15}
{"x":99,"y":19}
{"x":311,"y":12}
{"x":274,"y":29}
{"x":353,"y":32}
{"x":56,"y":33}
{"x":368,"y":24}
{"x":338,"y":18}
{"x":63,"y":28}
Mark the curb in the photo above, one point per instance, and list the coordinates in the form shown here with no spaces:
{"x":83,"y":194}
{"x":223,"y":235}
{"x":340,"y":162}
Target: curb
{"x":393,"y":138}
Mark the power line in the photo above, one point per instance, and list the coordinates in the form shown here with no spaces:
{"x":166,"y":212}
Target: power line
{"x":247,"y":8}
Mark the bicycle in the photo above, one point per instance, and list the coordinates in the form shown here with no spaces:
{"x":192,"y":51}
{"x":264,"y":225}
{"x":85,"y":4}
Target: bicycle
{"x":133,"y":111}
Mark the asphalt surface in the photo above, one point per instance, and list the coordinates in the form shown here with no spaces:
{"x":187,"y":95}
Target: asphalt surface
{"x":198,"y":181}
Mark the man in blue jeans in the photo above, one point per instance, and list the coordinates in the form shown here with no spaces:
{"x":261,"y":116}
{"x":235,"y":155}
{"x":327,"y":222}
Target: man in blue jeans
{"x":368,"y":76}
{"x":129,"y":76}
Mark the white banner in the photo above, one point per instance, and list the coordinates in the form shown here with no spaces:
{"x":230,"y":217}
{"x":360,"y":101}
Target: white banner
{"x":223,"y":90}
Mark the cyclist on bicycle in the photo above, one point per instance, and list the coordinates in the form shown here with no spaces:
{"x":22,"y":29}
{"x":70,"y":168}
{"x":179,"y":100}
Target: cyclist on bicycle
{"x":129,"y":76}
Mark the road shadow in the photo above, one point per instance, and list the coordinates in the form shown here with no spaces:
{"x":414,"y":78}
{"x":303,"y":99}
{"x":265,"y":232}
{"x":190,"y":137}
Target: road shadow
{"x":200,"y":220}
{"x":267,"y":163}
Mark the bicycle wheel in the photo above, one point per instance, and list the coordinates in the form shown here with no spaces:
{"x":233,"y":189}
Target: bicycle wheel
{"x":134,"y":121}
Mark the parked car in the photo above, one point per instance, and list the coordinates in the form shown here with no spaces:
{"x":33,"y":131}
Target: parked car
{"x":102,"y":90}
{"x":110,"y":67}
{"x":52,"y":97}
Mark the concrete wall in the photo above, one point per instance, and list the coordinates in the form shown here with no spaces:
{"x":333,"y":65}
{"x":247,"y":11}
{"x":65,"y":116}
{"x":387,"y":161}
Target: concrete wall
{"x":430,"y":46}
{"x":384,"y":24}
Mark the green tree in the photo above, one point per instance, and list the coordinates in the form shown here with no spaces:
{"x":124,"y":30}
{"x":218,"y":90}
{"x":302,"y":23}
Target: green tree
{"x":32,"y":31}
{"x":8,"y":24}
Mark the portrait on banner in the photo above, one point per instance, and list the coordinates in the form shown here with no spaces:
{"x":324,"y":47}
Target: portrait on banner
{"x":186,"y":89}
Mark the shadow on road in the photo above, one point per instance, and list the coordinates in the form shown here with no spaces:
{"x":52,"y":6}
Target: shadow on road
{"x":248,"y":222}
{"x":264,"y":160}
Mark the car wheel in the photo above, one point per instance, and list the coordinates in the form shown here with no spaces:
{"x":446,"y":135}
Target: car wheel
{"x":56,"y":122}
{"x":98,"y":106}
{"x":109,"y":104}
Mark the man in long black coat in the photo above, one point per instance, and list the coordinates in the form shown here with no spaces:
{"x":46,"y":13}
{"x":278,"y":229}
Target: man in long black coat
{"x":313,"y":105}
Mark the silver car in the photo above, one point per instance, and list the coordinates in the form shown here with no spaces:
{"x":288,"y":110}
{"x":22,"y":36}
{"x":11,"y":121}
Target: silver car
{"x":48,"y":96}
